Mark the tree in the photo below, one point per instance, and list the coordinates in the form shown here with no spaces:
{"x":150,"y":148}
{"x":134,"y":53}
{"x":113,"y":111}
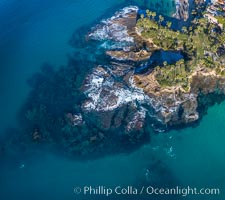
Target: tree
{"x":184,"y":29}
{"x":153,"y":15}
{"x":148,"y":13}
{"x":164,"y":63}
{"x":161,"y":19}
{"x":158,"y":70}
{"x":168,"y":24}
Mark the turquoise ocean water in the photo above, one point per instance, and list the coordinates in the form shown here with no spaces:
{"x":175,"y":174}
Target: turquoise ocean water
{"x":38,"y":31}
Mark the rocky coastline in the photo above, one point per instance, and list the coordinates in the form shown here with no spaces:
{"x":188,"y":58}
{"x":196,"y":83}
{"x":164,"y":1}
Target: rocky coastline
{"x":114,"y":106}
{"x":182,"y":10}
{"x":172,"y":105}
{"x":176,"y":106}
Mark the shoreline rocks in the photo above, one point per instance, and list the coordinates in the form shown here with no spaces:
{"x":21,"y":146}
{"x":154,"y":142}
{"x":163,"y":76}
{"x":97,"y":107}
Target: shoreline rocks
{"x":173,"y":105}
{"x":182,"y":10}
{"x":117,"y":109}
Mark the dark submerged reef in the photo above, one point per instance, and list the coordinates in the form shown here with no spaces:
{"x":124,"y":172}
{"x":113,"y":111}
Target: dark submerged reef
{"x":46,"y":118}
{"x":52,"y":116}
{"x":205,"y":101}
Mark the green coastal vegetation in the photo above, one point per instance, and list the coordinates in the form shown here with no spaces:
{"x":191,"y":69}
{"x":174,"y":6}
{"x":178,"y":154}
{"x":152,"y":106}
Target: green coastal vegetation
{"x":221,"y":20}
{"x":199,"y":43}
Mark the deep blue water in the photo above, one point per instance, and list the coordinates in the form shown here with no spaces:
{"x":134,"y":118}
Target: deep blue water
{"x":158,"y":58}
{"x":38,"y":31}
{"x":170,"y":57}
{"x":34,"y":32}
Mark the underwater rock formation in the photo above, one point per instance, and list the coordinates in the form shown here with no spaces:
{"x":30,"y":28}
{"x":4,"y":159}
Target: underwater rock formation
{"x":171,"y":105}
{"x":113,"y":102}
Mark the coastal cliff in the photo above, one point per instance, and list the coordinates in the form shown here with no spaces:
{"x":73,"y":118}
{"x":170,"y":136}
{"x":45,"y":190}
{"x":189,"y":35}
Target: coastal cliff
{"x":171,"y":87}
{"x":182,"y":10}
{"x":178,"y":9}
{"x":174,"y":105}
{"x":141,"y":76}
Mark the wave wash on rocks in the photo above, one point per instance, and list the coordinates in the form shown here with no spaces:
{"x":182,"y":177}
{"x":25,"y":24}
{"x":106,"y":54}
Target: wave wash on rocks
{"x":85,"y":110}
{"x":91,"y":108}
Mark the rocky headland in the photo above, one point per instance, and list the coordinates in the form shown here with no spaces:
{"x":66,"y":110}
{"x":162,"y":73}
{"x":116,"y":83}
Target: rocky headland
{"x":178,"y":9}
{"x":182,"y":10}
{"x":171,"y":89}
{"x":136,"y":74}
